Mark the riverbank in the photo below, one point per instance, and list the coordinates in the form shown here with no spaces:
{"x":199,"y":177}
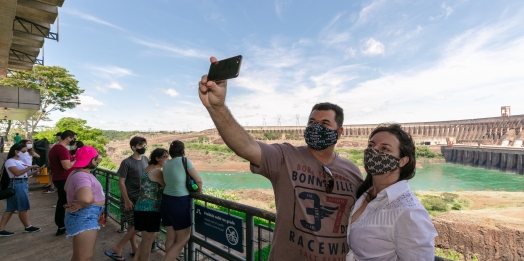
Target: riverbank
{"x":490,"y":228}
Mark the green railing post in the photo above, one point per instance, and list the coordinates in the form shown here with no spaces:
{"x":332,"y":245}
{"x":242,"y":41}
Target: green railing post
{"x":250,"y":236}
{"x":190,"y":255}
{"x":108,"y":185}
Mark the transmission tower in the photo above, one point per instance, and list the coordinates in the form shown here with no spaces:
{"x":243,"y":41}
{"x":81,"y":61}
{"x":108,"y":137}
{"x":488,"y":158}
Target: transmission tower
{"x":278,"y":120}
{"x":298,"y":122}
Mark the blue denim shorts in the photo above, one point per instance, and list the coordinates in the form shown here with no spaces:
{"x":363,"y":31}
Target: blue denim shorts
{"x":20,"y":200}
{"x":82,"y":220}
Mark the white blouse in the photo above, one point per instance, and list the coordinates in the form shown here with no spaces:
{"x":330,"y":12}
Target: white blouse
{"x":394,"y":226}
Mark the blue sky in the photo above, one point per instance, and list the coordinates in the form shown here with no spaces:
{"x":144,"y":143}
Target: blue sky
{"x":381,"y":61}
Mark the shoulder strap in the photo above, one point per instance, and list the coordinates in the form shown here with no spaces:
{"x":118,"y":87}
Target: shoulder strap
{"x":184,"y":161}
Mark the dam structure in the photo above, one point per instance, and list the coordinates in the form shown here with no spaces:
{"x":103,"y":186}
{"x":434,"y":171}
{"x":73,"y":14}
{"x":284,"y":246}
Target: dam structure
{"x":501,"y":131}
{"x":492,"y":143}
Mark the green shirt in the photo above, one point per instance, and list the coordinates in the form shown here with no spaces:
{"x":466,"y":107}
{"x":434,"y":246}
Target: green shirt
{"x":17,"y":139}
{"x":150,"y":194}
{"x":175,"y":177}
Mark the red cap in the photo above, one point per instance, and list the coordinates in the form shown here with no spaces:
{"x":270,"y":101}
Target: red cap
{"x":84,"y":155}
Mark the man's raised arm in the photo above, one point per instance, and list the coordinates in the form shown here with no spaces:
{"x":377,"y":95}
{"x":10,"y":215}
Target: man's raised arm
{"x":213,"y":96}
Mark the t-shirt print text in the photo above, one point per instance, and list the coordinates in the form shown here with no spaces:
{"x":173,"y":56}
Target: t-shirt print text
{"x":306,"y":175}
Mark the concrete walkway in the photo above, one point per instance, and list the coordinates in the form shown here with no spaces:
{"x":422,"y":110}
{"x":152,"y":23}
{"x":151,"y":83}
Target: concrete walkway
{"x":44,"y":245}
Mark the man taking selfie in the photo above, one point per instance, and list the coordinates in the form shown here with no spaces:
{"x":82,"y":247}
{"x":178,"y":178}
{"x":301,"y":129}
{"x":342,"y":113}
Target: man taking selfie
{"x":314,"y":187}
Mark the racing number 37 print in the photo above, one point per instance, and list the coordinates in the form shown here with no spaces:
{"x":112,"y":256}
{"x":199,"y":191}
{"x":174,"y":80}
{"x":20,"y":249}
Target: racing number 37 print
{"x":323,"y":216}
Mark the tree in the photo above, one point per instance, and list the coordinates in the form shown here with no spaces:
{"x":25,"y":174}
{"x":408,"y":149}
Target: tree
{"x":5,"y":126}
{"x":58,"y":91}
{"x":88,"y":135}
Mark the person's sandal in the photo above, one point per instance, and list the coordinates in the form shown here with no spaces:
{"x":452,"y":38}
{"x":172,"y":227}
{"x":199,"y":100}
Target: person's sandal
{"x":113,"y":256}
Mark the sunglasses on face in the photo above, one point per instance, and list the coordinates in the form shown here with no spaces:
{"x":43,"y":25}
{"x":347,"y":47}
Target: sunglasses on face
{"x":329,"y":184}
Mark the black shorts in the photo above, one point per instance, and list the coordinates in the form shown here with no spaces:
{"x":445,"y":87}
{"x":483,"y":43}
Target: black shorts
{"x":148,"y":221}
{"x":175,"y":212}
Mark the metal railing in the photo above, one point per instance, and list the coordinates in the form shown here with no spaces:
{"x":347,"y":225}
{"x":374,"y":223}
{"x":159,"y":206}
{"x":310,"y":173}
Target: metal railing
{"x":200,"y":247}
{"x":258,"y":225}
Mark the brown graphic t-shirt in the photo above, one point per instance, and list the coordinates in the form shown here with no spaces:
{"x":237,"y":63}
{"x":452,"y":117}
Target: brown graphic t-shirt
{"x":311,"y":224}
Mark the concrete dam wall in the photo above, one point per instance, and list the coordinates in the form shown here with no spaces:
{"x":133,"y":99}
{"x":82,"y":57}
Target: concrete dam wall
{"x":496,"y":158}
{"x":505,"y":131}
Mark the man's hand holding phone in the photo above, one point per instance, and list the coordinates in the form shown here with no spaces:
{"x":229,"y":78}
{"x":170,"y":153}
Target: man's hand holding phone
{"x":213,"y":86}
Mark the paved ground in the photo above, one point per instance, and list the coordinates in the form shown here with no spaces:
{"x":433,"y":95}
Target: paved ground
{"x":44,"y":245}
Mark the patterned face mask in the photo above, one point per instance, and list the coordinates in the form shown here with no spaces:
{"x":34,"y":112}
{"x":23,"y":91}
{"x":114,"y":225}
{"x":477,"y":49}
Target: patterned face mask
{"x":378,"y":163}
{"x":319,"y":137}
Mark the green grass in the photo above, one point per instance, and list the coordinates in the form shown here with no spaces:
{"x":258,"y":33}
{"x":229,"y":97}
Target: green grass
{"x":264,"y":254}
{"x":209,"y":147}
{"x":443,"y":203}
{"x":453,"y":255}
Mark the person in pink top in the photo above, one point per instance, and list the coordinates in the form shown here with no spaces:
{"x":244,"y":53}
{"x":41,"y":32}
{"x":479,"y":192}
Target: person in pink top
{"x":85,"y":204}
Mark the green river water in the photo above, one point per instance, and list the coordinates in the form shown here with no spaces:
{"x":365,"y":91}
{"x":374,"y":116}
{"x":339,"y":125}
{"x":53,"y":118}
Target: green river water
{"x":440,"y":177}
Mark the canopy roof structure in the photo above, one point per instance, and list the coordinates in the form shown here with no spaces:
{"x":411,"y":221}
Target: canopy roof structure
{"x":24,"y":25}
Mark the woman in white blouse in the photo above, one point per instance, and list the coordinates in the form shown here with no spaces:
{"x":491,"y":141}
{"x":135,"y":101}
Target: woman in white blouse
{"x":388,"y":222}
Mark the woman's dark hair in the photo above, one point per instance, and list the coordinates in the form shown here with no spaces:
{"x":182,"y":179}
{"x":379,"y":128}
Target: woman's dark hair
{"x":17,"y":147}
{"x":157,"y":153}
{"x":176,"y":149}
{"x":406,"y":147}
{"x":24,"y":142}
{"x":79,"y":145}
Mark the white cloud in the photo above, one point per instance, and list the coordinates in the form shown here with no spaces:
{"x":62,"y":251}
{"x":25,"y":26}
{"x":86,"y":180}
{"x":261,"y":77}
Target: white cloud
{"x":90,"y":18}
{"x":88,"y":103}
{"x":369,"y":12}
{"x":158,"y":45}
{"x":350,"y":53}
{"x":109,"y":71}
{"x":447,"y":11}
{"x":115,"y":85}
{"x":372,"y":47}
{"x":171,"y":92}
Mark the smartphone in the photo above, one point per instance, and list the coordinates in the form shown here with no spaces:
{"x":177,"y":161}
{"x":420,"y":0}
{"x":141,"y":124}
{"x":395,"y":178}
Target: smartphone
{"x":225,"y":69}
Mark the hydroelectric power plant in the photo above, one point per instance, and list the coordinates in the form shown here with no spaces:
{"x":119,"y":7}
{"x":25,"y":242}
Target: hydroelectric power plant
{"x":493,"y":143}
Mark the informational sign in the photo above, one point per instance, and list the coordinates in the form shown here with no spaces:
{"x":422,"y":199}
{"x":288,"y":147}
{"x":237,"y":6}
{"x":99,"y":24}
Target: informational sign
{"x":220,"y":227}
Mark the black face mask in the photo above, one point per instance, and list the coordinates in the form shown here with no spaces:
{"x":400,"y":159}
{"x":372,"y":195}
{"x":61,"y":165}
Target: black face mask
{"x":72,"y":142}
{"x":319,"y":137}
{"x":141,"y":151}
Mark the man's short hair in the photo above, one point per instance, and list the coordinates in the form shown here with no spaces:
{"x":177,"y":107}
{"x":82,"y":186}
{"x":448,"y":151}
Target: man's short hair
{"x":58,"y":134}
{"x":326,"y":106}
{"x":67,"y":134}
{"x":137,"y":140}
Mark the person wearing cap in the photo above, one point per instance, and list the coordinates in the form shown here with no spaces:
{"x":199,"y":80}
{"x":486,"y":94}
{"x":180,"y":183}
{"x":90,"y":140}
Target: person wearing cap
{"x":85,"y":203}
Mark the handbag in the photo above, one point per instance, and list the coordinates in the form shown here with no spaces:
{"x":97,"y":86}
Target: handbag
{"x":190,"y":182}
{"x":7,"y":192}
